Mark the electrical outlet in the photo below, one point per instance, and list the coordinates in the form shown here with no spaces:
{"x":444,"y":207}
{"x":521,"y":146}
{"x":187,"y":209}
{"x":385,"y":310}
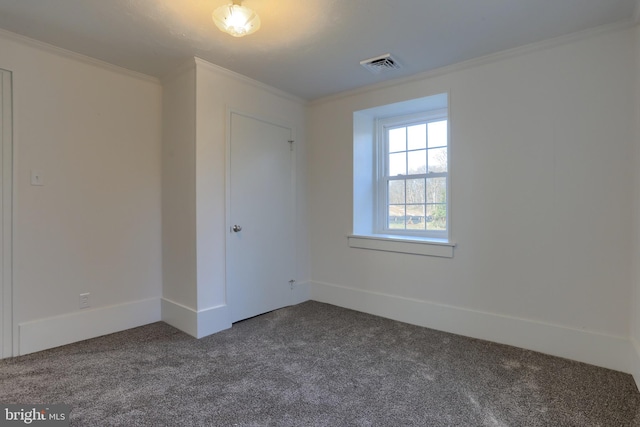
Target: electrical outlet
{"x":84,"y":300}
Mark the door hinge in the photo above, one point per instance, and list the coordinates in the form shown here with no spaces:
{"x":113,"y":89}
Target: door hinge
{"x":291,"y":283}
{"x":291,"y":141}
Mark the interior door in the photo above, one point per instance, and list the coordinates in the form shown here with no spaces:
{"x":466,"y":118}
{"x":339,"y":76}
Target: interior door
{"x":261,"y":221}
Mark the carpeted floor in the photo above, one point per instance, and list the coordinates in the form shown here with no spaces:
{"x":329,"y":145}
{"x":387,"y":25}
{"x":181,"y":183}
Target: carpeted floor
{"x":316,"y":365}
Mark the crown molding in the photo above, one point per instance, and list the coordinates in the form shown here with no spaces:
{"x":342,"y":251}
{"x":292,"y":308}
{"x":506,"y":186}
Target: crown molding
{"x":247,"y":80}
{"x":49,"y":48}
{"x":185,"y":66}
{"x":482,"y":60}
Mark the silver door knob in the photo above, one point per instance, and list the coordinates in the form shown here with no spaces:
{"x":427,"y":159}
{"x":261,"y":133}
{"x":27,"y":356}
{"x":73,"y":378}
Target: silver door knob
{"x":236,"y":228}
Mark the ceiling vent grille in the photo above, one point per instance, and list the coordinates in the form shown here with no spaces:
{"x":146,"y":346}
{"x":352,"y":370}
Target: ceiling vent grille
{"x":380,"y":64}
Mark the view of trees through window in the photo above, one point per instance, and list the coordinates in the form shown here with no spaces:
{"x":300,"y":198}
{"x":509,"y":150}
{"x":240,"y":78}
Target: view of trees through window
{"x":417,"y":169}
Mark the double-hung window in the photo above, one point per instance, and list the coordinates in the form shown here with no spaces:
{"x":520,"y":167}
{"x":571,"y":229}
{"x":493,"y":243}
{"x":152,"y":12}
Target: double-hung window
{"x":401,"y":177}
{"x":412,"y":186}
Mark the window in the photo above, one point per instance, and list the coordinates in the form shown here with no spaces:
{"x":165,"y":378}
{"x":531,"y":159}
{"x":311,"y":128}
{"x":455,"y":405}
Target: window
{"x":401,"y":177}
{"x":413,"y":175}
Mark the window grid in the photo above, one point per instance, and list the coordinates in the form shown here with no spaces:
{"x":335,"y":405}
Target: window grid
{"x":415,"y":189}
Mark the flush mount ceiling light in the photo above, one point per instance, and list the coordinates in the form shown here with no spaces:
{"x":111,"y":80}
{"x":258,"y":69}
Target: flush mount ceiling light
{"x":236,"y":19}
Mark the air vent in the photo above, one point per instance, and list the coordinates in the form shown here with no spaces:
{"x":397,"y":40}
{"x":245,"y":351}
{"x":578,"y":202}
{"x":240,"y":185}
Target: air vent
{"x":380,"y":64}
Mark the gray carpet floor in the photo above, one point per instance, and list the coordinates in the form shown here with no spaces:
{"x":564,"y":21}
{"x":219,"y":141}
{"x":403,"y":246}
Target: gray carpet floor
{"x":316,"y":365}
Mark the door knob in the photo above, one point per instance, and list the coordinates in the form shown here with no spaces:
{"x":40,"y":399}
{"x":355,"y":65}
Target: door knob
{"x":236,"y":228}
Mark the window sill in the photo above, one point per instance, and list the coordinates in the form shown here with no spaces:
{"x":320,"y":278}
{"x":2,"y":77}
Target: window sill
{"x":405,"y":245}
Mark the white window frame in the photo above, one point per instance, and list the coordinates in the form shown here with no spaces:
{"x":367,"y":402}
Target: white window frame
{"x":383,"y":178}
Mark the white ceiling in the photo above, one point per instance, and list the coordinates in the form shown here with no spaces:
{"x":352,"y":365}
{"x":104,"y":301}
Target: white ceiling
{"x":309,"y":48}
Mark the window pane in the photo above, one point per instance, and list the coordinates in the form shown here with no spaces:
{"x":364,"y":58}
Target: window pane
{"x":415,"y":191}
{"x":417,"y":137}
{"x":397,"y":140}
{"x":397,"y":216}
{"x":415,"y":175}
{"x":398,"y":164}
{"x":417,"y":161}
{"x":437,"y":190}
{"x":437,"y":160}
{"x":396,"y":192}
{"x":415,"y":217}
{"x":437,"y":132}
{"x":437,"y":217}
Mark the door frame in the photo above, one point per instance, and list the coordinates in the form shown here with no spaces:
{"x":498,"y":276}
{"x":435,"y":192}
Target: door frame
{"x":6,"y":234}
{"x":294,"y":204}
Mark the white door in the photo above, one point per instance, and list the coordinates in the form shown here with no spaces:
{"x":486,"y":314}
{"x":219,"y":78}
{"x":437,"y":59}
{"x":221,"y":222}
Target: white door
{"x":6,"y":158}
{"x":261,"y":239}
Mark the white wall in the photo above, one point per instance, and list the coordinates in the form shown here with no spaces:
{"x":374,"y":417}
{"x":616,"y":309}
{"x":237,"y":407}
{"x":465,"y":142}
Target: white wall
{"x":542,"y":173}
{"x":178,"y":188}
{"x":94,"y":226}
{"x":635,"y":327}
{"x":194,"y":205}
{"x":218,"y":92}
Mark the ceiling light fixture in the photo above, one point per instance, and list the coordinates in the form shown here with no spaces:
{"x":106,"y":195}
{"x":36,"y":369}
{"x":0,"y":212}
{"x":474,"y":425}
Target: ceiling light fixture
{"x":236,"y":19}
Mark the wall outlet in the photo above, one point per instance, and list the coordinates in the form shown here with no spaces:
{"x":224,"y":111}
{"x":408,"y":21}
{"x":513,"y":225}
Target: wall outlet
{"x":84,"y":300}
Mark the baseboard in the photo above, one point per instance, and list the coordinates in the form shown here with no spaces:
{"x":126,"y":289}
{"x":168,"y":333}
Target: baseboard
{"x":598,"y":349}
{"x":212,"y":320}
{"x":301,"y":293}
{"x":198,"y":324}
{"x":635,"y":361}
{"x":55,"y":331}
{"x":180,"y":316}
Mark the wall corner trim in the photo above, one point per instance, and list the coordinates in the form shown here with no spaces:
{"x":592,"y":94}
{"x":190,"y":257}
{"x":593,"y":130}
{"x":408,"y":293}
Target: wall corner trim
{"x":594,"y":348}
{"x":212,"y":320}
{"x":197,"y":323}
{"x":55,"y":331}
